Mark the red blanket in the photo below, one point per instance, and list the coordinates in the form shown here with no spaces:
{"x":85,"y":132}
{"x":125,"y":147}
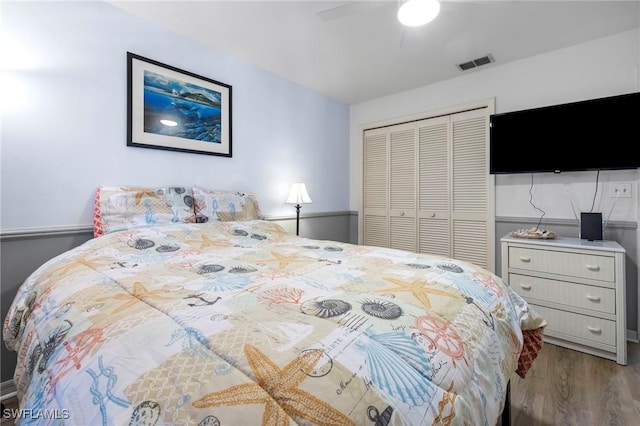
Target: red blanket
{"x":530,"y":349}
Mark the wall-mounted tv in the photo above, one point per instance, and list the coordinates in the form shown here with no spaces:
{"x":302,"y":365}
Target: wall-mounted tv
{"x":596,"y":134}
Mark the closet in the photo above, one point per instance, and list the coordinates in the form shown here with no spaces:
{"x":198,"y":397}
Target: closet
{"x":427,"y":188}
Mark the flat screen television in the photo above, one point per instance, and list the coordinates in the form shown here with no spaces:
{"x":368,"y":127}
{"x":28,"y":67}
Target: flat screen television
{"x":596,"y":134}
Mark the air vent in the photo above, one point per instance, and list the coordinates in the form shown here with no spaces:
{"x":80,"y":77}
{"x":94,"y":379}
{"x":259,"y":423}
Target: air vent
{"x":476,"y":62}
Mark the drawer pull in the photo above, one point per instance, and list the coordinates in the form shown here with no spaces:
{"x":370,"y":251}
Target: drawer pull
{"x":595,"y":330}
{"x":525,"y":286}
{"x":525,"y":259}
{"x":593,"y":267}
{"x":593,"y":298}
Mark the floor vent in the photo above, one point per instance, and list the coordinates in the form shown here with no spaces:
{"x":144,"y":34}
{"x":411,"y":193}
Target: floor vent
{"x":476,"y":62}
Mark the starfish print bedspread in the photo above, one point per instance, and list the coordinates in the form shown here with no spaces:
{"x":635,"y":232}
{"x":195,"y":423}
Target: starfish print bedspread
{"x":242,"y":323}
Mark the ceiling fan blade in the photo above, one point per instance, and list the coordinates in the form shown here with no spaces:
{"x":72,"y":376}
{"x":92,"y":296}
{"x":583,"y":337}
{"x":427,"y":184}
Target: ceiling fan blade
{"x":350,"y":8}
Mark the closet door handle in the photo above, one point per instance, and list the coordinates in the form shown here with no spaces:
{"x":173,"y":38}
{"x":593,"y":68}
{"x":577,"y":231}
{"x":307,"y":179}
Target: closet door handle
{"x":525,"y":259}
{"x":594,"y":268}
{"x":525,"y":287}
{"x":433,"y":214}
{"x":401,"y":213}
{"x":593,"y":298}
{"x":595,"y":330}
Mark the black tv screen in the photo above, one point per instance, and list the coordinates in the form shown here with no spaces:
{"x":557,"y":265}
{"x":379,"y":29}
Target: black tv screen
{"x":597,"y":134}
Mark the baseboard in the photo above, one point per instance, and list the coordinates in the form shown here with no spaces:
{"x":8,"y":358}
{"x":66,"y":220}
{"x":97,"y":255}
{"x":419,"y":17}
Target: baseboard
{"x":7,"y":390}
{"x":632,"y":336}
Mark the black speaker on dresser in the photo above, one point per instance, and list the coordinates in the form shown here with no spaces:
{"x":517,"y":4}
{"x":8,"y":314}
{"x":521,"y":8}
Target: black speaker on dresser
{"x":591,"y":226}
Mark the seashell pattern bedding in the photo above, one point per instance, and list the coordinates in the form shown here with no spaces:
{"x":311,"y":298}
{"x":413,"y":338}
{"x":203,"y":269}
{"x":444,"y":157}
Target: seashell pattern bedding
{"x":242,"y":323}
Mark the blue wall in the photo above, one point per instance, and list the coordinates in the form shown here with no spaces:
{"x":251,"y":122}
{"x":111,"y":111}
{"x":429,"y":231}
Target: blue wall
{"x":64,"y":119}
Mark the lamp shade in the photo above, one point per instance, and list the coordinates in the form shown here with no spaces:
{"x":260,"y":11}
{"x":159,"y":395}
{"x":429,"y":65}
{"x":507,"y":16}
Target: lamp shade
{"x":414,"y":13}
{"x":298,"y":194}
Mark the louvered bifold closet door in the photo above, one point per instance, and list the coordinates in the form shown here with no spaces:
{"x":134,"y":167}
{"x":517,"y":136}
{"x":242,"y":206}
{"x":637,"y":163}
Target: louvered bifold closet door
{"x":402,"y":187}
{"x":471,"y":211}
{"x":376,"y":188}
{"x":433,"y":186}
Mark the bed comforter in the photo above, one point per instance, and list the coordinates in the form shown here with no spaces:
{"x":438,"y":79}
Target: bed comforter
{"x":242,"y":323}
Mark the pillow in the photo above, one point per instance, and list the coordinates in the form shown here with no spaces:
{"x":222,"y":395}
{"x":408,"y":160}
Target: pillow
{"x":224,"y":206}
{"x":117,"y":207}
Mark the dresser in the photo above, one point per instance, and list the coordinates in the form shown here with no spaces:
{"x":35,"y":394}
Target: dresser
{"x":578,"y":286}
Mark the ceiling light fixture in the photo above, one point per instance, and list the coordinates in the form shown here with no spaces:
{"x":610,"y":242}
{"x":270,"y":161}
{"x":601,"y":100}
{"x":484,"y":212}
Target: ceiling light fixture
{"x":414,"y":13}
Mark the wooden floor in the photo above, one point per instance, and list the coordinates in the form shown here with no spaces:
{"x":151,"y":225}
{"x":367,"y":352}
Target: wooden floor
{"x":566,"y":388}
{"x":11,"y":403}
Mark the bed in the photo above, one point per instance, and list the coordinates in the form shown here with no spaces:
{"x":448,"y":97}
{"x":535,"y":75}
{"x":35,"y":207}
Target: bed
{"x":189,"y":308}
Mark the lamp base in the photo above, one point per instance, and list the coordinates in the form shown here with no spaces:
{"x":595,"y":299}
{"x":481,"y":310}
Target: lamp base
{"x":298,"y":206}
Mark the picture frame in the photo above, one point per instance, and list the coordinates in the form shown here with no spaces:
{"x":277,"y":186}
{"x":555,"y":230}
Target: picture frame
{"x":173,"y":109}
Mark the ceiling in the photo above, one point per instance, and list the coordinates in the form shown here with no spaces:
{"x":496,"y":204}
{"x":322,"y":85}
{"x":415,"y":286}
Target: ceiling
{"x":357,"y":51}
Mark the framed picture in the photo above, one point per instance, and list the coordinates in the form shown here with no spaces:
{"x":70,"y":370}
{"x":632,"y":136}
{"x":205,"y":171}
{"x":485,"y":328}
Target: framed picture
{"x":169,"y":108}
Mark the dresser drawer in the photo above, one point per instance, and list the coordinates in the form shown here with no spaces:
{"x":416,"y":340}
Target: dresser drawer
{"x":571,"y":294}
{"x":573,"y":325}
{"x":591,"y":266}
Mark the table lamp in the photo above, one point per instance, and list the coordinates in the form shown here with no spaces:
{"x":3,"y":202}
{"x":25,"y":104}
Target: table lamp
{"x":298,"y":195}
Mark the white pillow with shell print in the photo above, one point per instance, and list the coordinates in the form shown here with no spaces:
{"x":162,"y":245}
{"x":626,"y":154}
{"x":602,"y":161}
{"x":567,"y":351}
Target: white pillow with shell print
{"x":127,"y":207}
{"x":215,"y":205}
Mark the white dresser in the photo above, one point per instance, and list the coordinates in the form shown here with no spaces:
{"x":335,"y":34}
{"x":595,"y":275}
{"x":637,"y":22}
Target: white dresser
{"x":578,"y":286}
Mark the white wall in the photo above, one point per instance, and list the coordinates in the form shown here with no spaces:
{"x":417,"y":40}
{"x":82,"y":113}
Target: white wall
{"x":604,"y":67}
{"x":63,"y":127}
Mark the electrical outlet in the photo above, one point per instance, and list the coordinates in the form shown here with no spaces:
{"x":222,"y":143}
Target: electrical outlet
{"x":620,"y":190}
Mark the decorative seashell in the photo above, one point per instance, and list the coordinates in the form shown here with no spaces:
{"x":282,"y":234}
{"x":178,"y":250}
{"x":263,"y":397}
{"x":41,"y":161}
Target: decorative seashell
{"x":391,"y":373}
{"x":188,"y":200}
{"x":210,"y":268}
{"x":146,"y":413}
{"x":258,"y":237}
{"x":167,"y":248}
{"x":418,"y":265}
{"x":535,"y":233}
{"x":311,"y":247}
{"x":408,"y":349}
{"x":325,"y":308}
{"x":333,"y":248}
{"x":450,"y":267}
{"x":239,"y":232}
{"x":141,"y":243}
{"x":242,"y":269}
{"x":209,"y":421}
{"x":382,"y":309}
